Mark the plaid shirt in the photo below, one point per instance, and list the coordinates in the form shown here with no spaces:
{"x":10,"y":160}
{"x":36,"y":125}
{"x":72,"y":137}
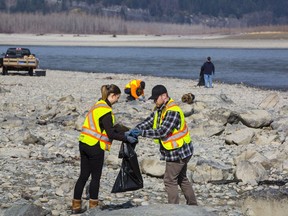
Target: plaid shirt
{"x":171,"y":120}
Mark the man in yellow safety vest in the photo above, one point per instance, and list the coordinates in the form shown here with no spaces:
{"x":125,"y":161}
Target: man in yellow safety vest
{"x":167,"y":126}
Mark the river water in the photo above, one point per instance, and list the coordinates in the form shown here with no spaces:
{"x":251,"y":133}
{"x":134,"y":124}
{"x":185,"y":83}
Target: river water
{"x":264,"y":68}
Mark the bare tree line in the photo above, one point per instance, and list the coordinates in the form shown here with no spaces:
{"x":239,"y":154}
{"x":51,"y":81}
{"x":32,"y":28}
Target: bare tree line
{"x":81,"y":23}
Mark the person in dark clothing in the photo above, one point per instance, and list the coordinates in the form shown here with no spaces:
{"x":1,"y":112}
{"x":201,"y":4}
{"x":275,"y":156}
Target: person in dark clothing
{"x":98,"y":132}
{"x":208,"y":70}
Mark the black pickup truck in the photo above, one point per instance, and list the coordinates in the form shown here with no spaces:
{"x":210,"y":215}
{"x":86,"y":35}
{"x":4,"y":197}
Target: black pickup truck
{"x":19,"y":59}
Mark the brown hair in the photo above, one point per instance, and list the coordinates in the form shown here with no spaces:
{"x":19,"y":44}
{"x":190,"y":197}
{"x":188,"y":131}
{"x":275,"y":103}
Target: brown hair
{"x":106,"y":90}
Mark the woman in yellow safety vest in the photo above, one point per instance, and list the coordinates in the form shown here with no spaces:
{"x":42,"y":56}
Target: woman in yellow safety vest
{"x":96,"y":137}
{"x":167,"y":126}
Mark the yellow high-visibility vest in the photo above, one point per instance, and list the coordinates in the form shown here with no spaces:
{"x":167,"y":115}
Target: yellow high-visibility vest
{"x":91,"y":132}
{"x":178,"y":137}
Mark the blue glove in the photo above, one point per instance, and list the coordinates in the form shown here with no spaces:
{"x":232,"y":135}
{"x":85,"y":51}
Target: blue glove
{"x":130,"y":138}
{"x":135,"y":132}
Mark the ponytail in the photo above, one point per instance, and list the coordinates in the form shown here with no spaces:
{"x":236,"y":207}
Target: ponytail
{"x":106,"y":90}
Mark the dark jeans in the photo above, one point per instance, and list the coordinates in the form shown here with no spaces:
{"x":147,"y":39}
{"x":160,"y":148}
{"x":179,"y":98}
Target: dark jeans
{"x":92,"y":159}
{"x":128,"y":92}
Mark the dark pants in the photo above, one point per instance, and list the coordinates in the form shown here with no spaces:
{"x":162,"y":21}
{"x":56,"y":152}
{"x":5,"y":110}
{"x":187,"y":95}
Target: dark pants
{"x":92,"y":159}
{"x":175,"y":174}
{"x":128,"y":92}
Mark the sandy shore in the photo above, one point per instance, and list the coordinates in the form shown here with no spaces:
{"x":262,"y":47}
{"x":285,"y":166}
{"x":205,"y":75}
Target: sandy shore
{"x":198,"y":41}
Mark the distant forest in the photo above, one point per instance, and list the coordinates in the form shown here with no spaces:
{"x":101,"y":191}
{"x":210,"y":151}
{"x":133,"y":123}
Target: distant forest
{"x":265,"y":12}
{"x":141,"y":16}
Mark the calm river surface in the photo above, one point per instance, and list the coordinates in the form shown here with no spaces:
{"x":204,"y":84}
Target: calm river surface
{"x":265,"y":68}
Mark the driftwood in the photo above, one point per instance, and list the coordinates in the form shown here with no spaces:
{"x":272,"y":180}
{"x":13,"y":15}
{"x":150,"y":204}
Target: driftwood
{"x":270,"y":101}
{"x":264,"y":182}
{"x":220,"y":182}
{"x":273,"y":182}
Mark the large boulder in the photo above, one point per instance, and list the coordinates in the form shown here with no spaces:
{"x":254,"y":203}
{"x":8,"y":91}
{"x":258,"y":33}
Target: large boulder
{"x":250,"y":173}
{"x":253,"y":156}
{"x":256,"y":118}
{"x":266,"y":202}
{"x":240,"y":137}
{"x":208,"y":170}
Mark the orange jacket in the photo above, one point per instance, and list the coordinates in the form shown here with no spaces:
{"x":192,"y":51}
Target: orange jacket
{"x":134,"y":85}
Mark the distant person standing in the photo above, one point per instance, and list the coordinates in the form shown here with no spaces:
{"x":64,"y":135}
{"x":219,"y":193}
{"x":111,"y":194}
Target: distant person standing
{"x":208,"y":70}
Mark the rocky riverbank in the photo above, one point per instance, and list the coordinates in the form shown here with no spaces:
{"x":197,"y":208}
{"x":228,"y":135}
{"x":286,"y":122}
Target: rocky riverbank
{"x":241,"y":145}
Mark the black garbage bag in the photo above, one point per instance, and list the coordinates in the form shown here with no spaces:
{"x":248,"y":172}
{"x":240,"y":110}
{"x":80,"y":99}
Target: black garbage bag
{"x":201,"y":78}
{"x":129,"y":177}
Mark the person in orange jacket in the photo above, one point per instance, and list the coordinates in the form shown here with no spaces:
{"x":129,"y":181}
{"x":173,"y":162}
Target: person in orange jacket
{"x":135,"y":90}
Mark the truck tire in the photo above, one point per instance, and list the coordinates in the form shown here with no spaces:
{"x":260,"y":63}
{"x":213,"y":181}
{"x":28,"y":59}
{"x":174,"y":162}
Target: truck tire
{"x":4,"y":71}
{"x":30,"y":72}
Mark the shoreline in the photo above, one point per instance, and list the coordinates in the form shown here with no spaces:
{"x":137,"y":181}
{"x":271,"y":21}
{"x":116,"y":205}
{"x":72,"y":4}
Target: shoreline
{"x":215,"y":81}
{"x":179,"y":41}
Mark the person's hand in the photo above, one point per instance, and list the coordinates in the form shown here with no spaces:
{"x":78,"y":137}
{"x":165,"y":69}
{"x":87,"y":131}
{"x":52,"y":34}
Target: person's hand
{"x":135,"y":132}
{"x":130,"y":139}
{"x":141,"y":98}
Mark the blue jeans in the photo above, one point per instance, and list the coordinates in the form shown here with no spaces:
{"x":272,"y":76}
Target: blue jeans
{"x":208,"y":80}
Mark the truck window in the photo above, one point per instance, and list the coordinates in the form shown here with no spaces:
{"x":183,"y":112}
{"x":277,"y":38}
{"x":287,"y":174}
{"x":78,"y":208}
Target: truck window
{"x":18,"y":52}
{"x":11,"y":52}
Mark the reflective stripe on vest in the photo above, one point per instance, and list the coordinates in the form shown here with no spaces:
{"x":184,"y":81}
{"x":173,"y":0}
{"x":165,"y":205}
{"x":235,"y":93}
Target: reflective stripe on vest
{"x":178,"y":137}
{"x":91,"y":132}
{"x":172,"y":139}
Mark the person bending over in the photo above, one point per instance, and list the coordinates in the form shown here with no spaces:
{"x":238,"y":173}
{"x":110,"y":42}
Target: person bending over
{"x":135,"y":90}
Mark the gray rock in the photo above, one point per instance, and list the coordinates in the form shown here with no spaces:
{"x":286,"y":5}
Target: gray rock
{"x":220,"y":115}
{"x":266,"y":203}
{"x":4,"y":90}
{"x":153,"y":167}
{"x":11,"y":122}
{"x":207,"y":170}
{"x":154,"y":210}
{"x":14,"y":152}
{"x":256,"y":118}
{"x":26,"y":210}
{"x":240,"y":137}
{"x":250,"y":173}
{"x":253,"y":157}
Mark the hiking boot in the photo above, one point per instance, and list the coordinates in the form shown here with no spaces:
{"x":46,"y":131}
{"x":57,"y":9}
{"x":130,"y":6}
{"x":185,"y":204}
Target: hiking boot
{"x":93,"y":203}
{"x":76,"y":207}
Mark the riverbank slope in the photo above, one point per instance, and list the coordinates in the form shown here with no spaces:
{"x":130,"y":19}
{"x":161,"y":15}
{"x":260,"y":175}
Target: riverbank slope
{"x":256,"y":40}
